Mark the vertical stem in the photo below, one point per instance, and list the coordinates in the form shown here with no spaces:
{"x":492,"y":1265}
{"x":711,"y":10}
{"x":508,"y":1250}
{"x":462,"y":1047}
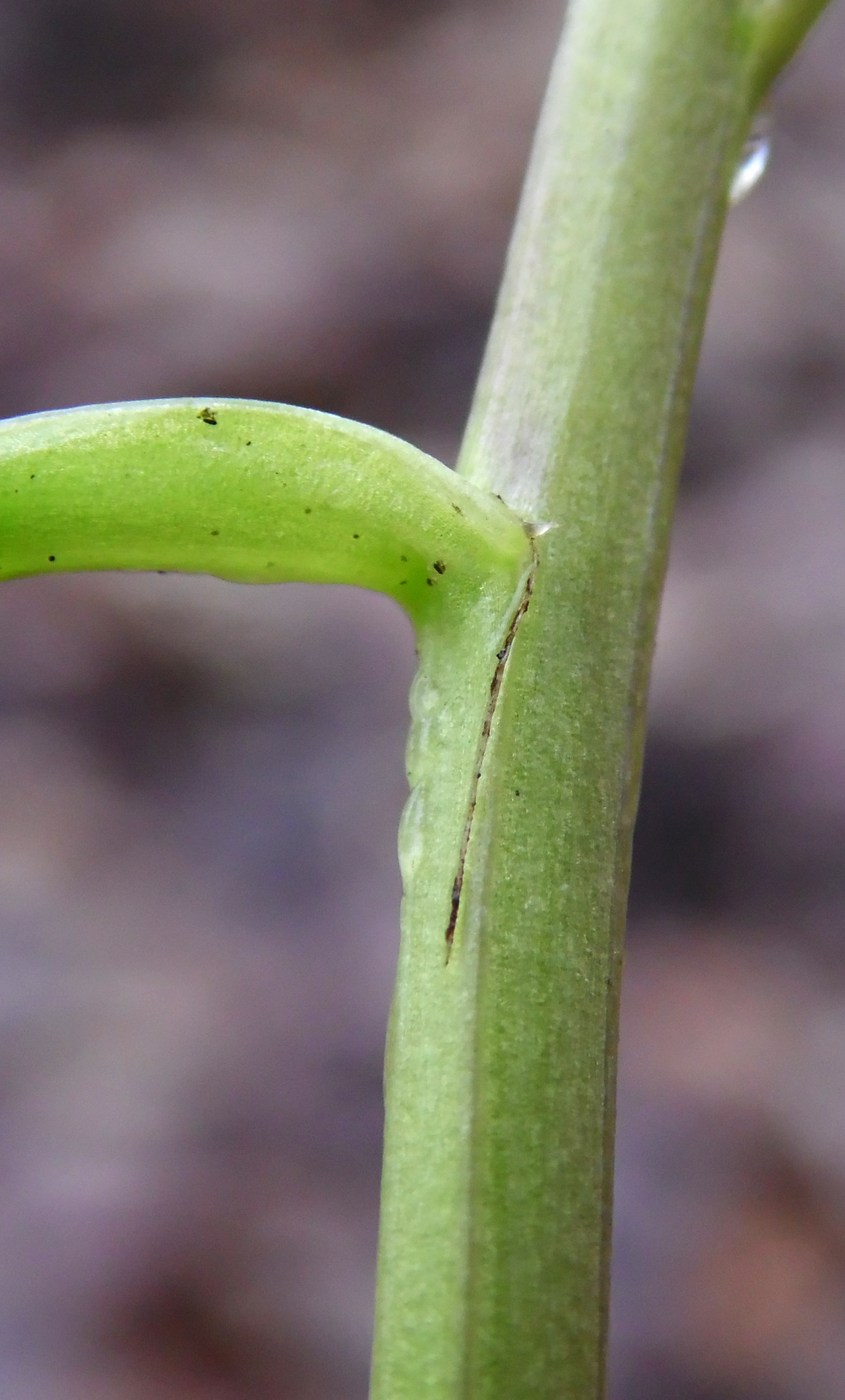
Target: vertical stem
{"x":579,"y":421}
{"x":493,"y":1269}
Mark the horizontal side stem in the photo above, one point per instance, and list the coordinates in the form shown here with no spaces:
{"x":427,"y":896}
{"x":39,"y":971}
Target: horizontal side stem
{"x":254,"y":492}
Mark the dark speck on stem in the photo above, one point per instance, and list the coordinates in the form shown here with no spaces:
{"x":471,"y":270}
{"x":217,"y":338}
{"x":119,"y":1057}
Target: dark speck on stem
{"x":439,"y":566}
{"x":51,"y":558}
{"x":207,"y":415}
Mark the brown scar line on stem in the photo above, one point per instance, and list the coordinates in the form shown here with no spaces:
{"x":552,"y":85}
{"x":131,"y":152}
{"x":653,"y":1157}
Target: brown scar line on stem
{"x":487,"y":724}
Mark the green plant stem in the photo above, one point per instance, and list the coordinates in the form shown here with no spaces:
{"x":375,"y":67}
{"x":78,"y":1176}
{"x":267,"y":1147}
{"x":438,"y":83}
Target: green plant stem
{"x":775,"y":29}
{"x":525,"y":748}
{"x":493,"y":1270}
{"x":253,"y":492}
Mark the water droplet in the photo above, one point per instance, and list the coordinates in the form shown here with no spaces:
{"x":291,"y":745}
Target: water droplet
{"x":754,"y":158}
{"x":424,"y":698}
{"x":412,"y":836}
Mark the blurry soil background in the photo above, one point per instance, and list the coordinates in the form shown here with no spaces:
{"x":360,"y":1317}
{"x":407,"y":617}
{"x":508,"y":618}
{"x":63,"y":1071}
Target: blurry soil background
{"x":201,"y":783}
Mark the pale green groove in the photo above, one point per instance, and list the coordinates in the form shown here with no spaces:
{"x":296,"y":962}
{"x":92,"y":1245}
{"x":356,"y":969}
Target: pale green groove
{"x":494,"y":1254}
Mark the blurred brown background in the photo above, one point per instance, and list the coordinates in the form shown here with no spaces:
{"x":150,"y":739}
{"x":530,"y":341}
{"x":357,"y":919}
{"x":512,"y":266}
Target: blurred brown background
{"x":198,"y":885}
